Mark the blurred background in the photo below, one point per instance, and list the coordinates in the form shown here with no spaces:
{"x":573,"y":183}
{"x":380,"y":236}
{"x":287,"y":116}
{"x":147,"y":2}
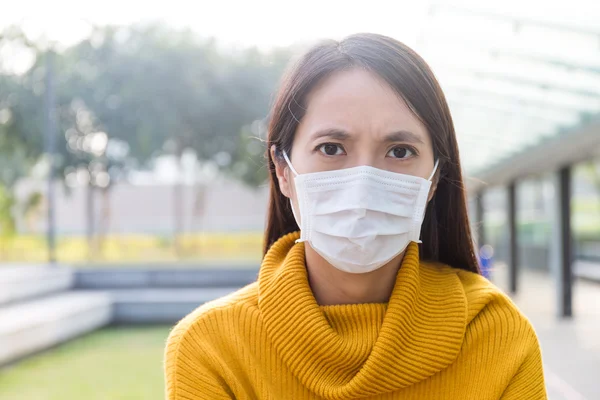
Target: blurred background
{"x":132,"y":177}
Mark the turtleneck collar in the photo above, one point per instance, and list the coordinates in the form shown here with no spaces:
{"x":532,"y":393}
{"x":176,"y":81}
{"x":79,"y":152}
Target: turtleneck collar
{"x":353,"y":351}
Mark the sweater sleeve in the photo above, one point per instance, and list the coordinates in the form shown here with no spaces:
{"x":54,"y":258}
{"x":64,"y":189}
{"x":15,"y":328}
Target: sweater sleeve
{"x":188,"y":371}
{"x":528,"y":382}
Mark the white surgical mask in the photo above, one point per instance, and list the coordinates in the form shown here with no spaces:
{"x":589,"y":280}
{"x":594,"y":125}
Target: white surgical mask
{"x":360,"y":218}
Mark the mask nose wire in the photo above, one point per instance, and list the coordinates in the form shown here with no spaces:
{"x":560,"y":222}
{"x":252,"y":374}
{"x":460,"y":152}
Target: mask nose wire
{"x":435,"y":167}
{"x":289,"y":163}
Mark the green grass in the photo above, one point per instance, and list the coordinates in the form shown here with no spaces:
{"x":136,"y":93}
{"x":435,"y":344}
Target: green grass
{"x":110,"y":364}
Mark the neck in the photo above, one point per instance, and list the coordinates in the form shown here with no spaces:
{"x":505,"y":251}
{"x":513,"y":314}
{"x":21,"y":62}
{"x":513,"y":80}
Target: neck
{"x":330,"y":286}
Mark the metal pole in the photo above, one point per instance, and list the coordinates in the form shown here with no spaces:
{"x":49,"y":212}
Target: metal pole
{"x":565,"y":275}
{"x":512,"y":238}
{"x":178,"y":192}
{"x":50,"y":148}
{"x":90,"y":220}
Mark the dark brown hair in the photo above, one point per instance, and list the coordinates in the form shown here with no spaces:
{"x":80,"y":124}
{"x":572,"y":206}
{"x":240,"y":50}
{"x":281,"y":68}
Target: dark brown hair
{"x":445,"y":232}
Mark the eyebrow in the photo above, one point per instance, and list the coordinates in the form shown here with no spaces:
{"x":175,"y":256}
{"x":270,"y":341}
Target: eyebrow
{"x":332,"y":133}
{"x":398,"y":136}
{"x":403,"y":136}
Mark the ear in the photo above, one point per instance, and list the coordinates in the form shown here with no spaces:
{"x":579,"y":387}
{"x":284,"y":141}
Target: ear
{"x":283,"y":172}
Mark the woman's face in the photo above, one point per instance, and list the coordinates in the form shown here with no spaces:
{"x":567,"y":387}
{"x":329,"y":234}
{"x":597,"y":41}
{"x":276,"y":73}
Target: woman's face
{"x":353,"y":119}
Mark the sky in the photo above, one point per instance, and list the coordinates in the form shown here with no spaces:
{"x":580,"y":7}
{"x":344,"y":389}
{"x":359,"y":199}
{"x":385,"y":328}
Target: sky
{"x":262,"y":23}
{"x":268,"y":23}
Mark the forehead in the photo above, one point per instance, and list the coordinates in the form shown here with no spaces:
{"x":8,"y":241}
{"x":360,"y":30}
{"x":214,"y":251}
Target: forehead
{"x":359,"y":102}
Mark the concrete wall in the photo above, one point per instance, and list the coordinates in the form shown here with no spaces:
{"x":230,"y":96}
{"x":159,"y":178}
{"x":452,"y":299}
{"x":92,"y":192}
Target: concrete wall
{"x":224,"y":205}
{"x":163,"y":278}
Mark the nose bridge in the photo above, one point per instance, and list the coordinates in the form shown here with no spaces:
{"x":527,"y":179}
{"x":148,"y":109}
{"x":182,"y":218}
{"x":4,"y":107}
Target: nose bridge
{"x":367,"y":160}
{"x":366,"y":154}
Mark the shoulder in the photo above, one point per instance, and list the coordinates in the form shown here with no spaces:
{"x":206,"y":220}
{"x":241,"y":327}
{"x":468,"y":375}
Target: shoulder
{"x":201,"y":326}
{"x":483,"y":297}
{"x":491,"y":317}
{"x":493,"y":313}
{"x":194,"y":360}
{"x":485,"y":301}
{"x":216,"y":311}
{"x":495,"y":322}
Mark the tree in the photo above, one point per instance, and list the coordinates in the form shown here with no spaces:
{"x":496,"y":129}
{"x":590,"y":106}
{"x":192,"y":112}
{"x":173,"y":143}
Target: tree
{"x":19,"y":148}
{"x":150,"y":88}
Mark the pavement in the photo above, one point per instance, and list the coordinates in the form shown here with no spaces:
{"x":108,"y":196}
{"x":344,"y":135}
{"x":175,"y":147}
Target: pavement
{"x":570,"y":347}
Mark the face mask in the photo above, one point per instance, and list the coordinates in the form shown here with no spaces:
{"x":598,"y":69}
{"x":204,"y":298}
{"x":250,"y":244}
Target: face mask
{"x":360,"y":218}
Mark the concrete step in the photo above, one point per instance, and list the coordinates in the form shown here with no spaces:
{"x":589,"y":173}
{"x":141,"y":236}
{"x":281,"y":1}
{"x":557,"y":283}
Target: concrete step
{"x":29,"y":327}
{"x":24,"y":282}
{"x":122,"y":278}
{"x":168,"y":305}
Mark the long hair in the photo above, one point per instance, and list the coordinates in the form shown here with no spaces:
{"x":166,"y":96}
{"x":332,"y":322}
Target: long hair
{"x":445,"y":232}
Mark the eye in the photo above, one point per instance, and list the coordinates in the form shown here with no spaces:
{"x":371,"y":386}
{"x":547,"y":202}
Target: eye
{"x":401,"y":152}
{"x":331,"y":149}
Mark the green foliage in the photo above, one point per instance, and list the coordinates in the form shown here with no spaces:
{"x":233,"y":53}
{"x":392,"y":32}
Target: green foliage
{"x":7,"y":221}
{"x":33,"y":203}
{"x":250,"y":164}
{"x":20,"y":143}
{"x":149,"y":86}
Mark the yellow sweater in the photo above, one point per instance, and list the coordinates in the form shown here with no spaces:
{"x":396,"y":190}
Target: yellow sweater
{"x":445,"y":334}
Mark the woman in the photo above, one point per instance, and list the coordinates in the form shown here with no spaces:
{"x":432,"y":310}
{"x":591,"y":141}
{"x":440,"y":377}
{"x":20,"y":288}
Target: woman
{"x":369,"y":286}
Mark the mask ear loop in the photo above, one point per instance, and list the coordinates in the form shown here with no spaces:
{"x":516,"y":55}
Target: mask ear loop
{"x":289,"y":163}
{"x":435,"y":167}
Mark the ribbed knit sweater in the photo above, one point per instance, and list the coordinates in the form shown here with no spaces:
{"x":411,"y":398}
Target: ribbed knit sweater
{"x":444,"y":334}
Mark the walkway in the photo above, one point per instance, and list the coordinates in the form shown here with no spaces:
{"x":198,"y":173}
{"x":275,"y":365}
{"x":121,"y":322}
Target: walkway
{"x":570,"y":348}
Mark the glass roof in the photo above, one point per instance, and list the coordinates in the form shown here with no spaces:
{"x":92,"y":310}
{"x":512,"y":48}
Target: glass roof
{"x":513,"y":77}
